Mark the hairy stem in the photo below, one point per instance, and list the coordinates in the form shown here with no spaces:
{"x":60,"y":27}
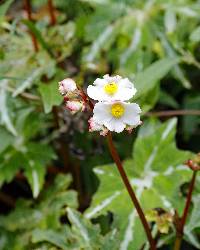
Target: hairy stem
{"x":180,"y":228}
{"x":127,"y":184}
{"x":27,"y":7}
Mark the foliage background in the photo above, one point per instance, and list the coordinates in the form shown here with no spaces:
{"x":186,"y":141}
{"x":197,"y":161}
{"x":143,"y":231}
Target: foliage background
{"x":52,"y":194}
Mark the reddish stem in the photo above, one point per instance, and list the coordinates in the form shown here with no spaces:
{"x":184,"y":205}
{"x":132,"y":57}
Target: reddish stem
{"x":180,"y":228}
{"x":127,"y":184}
{"x":52,"y":12}
{"x":86,"y":99}
{"x":173,"y":113}
{"x":27,"y":7}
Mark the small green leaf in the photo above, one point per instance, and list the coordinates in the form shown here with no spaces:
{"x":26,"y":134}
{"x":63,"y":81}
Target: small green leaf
{"x":35,"y":173}
{"x":50,"y":95}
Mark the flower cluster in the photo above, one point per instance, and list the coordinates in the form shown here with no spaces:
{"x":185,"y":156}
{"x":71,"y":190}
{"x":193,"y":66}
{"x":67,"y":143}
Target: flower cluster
{"x":112,"y":112}
{"x":69,"y":90}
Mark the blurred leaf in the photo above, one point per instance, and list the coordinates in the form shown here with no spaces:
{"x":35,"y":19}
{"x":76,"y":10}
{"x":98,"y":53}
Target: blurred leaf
{"x":170,"y":21}
{"x":28,"y":82}
{"x":38,"y":36}
{"x":4,"y":8}
{"x":45,"y":213}
{"x":147,"y":79}
{"x":6,"y":139}
{"x":195,"y":36}
{"x":50,"y":95}
{"x":148,"y":100}
{"x":167,"y":100}
{"x":5,"y":118}
{"x":32,"y":158}
{"x":178,"y":72}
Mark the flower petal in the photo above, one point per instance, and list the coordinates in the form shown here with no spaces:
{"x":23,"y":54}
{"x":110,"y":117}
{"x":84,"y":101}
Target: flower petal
{"x":115,"y":125}
{"x":102,"y":113}
{"x":100,"y":82}
{"x":95,"y":92}
{"x":131,"y":115}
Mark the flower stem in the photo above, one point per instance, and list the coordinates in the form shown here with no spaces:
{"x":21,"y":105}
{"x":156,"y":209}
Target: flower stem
{"x":52,"y":12}
{"x":173,"y":113}
{"x":127,"y":184}
{"x":180,"y":228}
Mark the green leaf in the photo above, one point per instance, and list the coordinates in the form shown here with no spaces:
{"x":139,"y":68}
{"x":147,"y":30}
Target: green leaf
{"x":147,"y":79}
{"x":50,"y":95}
{"x":170,"y":21}
{"x":55,"y":238}
{"x":10,"y":166}
{"x":33,"y":159}
{"x":82,"y":234}
{"x":177,"y":70}
{"x":5,"y":118}
{"x":4,"y":8}
{"x":35,"y":74}
{"x":35,"y":173}
{"x":88,"y":236}
{"x":195,"y":36}
{"x":31,"y":222}
{"x":156,"y":174}
{"x":6,"y":139}
{"x":167,"y":100}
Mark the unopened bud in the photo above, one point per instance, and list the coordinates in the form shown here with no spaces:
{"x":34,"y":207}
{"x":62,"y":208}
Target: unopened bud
{"x":75,"y":106}
{"x":66,"y":86}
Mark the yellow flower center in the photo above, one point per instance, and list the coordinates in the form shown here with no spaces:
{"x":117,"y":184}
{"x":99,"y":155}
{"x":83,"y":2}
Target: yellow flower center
{"x":117,"y":110}
{"x":111,"y":88}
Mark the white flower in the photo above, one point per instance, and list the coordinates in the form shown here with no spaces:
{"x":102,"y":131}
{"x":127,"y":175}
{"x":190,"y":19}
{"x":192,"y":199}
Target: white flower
{"x":116,"y":116}
{"x":67,"y":85}
{"x":75,"y":106}
{"x":110,"y":88}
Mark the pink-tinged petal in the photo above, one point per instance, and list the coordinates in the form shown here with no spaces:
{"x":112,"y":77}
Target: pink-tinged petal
{"x":67,"y":85}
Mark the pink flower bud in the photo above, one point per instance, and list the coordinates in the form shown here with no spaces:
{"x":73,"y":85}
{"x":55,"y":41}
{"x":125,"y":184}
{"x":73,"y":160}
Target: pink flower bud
{"x":66,"y":86}
{"x":75,"y":106}
{"x":94,"y":126}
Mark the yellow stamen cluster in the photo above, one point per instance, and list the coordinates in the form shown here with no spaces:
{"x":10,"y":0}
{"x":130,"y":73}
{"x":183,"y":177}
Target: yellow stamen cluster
{"x":117,"y":110}
{"x":111,"y":88}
